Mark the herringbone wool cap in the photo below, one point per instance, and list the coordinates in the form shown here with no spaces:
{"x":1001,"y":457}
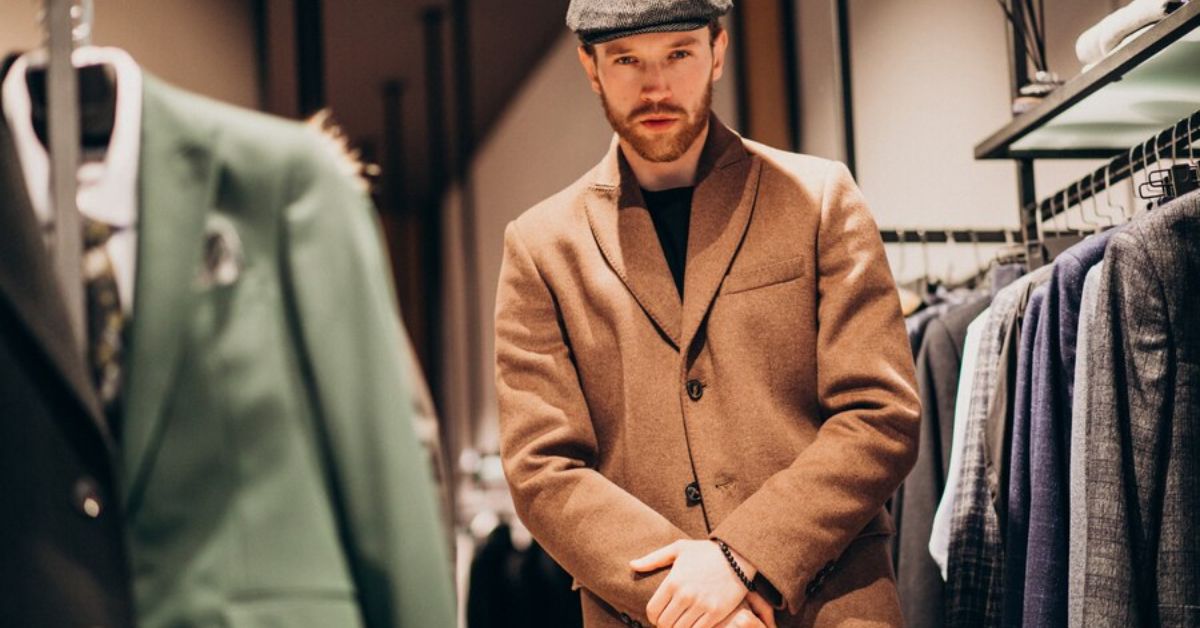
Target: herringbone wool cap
{"x":598,"y":21}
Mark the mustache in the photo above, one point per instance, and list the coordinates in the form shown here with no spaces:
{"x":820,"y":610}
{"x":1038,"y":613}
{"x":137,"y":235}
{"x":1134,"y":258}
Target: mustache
{"x":657,"y":109}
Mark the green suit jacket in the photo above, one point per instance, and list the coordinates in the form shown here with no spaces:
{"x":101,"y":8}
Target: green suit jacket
{"x":269,"y":466}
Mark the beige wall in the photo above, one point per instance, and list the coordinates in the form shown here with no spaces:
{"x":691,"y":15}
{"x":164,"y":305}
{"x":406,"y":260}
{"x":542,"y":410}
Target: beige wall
{"x":207,"y":47}
{"x":553,"y":132}
{"x":931,"y":80}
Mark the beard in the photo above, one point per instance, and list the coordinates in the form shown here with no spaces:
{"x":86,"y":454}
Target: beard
{"x":660,"y":147}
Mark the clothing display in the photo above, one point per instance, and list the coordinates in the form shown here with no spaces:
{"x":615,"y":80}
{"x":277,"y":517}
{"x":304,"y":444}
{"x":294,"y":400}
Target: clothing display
{"x":938,"y":365}
{"x":1143,"y":431}
{"x":693,"y":384}
{"x":1080,"y":413}
{"x":1109,"y":34}
{"x":1077,"y":519}
{"x":615,"y":446}
{"x":266,"y":463}
{"x":63,"y":553}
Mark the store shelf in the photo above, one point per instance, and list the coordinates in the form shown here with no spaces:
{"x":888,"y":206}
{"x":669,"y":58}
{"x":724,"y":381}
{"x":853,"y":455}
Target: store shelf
{"x":1149,"y":84}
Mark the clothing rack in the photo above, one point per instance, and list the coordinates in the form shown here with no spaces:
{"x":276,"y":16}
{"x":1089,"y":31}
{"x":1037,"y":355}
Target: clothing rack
{"x":1175,"y":143}
{"x":951,"y":236}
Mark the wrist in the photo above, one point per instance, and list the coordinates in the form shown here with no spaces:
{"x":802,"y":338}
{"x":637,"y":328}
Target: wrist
{"x":740,"y":567}
{"x":747,"y":567}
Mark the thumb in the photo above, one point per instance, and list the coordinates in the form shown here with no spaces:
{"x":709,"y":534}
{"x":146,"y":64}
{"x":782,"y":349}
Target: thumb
{"x":659,"y":558}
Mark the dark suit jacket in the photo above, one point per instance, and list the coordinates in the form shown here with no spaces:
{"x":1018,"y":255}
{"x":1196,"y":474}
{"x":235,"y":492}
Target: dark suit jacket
{"x":1045,"y":574}
{"x":1016,"y":528}
{"x":61,"y":562}
{"x":1143,"y":449}
{"x":938,"y":364}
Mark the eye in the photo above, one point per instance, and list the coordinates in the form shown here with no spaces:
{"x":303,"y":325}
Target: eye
{"x":625,"y":60}
{"x":680,"y":54}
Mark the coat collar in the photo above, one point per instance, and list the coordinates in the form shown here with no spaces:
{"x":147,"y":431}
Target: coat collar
{"x":178,"y":183}
{"x":28,"y":283}
{"x":727,"y":184}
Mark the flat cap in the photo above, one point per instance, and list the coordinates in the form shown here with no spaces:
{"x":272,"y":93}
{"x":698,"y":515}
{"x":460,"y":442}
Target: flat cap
{"x":598,"y":21}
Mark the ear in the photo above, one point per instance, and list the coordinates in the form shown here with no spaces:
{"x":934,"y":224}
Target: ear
{"x":589,"y":67}
{"x":720,"y":45}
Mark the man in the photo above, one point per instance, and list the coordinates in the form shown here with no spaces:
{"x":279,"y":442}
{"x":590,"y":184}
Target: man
{"x":706,"y":392}
{"x":267,"y":467}
{"x":63,"y":560}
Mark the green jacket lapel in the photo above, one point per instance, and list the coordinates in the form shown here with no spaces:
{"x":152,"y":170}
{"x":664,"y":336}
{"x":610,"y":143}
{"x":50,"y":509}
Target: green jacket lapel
{"x":177,"y":180}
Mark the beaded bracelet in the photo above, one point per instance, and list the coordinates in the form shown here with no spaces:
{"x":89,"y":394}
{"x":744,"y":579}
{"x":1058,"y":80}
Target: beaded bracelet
{"x":737,"y":569}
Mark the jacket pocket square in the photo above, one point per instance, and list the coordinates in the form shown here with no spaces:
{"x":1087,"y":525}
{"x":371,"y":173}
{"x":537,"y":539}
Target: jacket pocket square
{"x":223,"y":261}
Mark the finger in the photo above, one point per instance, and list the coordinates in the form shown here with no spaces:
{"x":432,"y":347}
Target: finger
{"x":658,"y":602}
{"x":659,"y":558}
{"x":670,"y":616}
{"x":762,"y":610}
{"x":747,"y":619}
{"x":691,"y":618}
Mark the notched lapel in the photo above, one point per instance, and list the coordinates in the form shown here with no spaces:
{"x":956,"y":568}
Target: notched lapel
{"x":625,"y":233}
{"x":721,"y":208}
{"x":28,"y":282}
{"x":177,"y":183}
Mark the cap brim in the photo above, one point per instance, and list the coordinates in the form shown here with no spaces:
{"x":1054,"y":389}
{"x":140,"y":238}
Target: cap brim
{"x":599,"y":37}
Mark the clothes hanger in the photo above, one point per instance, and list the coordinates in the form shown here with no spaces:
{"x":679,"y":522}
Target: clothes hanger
{"x":1108,"y":197}
{"x":97,"y":84}
{"x":1095,"y":226}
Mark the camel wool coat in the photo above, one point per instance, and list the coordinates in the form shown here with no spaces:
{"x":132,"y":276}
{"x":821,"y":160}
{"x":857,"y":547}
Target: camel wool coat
{"x":774,"y":408}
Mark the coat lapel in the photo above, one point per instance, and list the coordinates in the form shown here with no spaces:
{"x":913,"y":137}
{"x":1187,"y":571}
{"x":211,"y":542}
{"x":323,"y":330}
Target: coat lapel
{"x":721,"y":208}
{"x":176,"y":182}
{"x":28,"y":283}
{"x":625,"y":233}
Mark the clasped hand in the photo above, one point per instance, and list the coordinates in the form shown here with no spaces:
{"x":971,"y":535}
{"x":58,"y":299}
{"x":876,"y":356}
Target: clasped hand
{"x":702,"y":591}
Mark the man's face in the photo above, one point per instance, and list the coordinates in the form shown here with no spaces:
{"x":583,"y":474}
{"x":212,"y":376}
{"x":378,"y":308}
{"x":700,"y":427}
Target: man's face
{"x":656,"y":88}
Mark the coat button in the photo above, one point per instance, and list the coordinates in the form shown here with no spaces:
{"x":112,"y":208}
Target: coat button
{"x":692,"y":493}
{"x":87,"y":498}
{"x":695,"y":389}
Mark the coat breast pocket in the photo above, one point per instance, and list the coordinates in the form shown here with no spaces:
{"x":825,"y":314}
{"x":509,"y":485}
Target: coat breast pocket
{"x":763,"y":276}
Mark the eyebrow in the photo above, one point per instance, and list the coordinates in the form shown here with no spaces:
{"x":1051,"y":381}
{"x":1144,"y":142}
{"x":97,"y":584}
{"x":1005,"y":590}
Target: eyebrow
{"x":617,"y":50}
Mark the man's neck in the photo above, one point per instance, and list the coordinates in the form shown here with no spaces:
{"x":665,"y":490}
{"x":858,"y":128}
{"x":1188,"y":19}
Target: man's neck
{"x":655,"y":176}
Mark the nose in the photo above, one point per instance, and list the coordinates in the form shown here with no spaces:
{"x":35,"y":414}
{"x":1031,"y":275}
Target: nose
{"x":655,"y":87}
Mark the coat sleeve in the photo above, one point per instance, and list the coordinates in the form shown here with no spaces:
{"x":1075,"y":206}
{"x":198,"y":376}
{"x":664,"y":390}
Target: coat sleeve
{"x":592,"y":527}
{"x":867,"y":394}
{"x":344,"y":312}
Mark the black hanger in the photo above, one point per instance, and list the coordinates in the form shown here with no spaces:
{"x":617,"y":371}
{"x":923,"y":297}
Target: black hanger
{"x":97,"y":104}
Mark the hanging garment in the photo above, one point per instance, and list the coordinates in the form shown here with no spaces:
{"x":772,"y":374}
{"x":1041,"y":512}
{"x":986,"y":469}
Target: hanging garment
{"x":939,"y":363}
{"x":63,"y":557}
{"x":1143,"y":437}
{"x":513,"y":588}
{"x":975,"y":558}
{"x":268,"y":464}
{"x":1045,"y":573}
{"x":1016,"y":524}
{"x":1105,"y":37}
{"x":799,"y":424}
{"x":1077,"y":559}
{"x":939,"y":536}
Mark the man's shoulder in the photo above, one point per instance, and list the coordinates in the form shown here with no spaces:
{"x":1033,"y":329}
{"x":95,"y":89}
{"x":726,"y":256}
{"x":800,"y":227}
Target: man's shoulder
{"x":808,"y":170}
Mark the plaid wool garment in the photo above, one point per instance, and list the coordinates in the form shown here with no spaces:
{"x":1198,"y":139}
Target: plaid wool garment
{"x":975,"y":566}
